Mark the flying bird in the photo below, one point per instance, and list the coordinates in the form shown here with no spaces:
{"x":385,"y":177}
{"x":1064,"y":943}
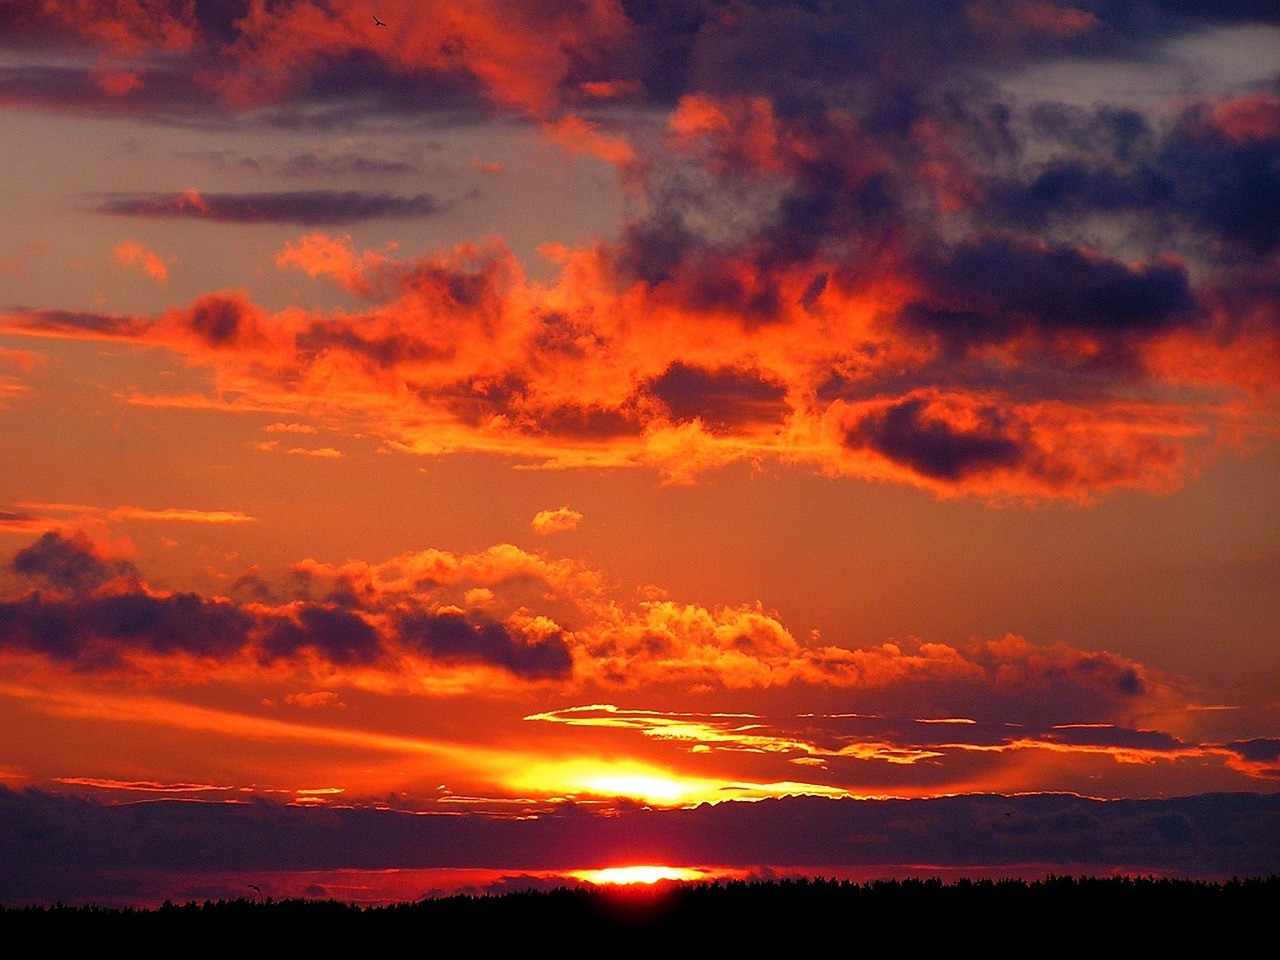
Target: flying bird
{"x":254,"y":886}
{"x":378,"y":23}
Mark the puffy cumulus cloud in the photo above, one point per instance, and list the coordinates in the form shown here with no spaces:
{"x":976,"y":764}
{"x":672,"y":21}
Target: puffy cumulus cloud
{"x":556,"y":521}
{"x":95,"y":614}
{"x":72,"y":561}
{"x":695,"y":647}
{"x":434,"y":621}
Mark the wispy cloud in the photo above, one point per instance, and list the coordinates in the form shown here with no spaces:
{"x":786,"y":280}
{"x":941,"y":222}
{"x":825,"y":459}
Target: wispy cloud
{"x":184,"y":515}
{"x":130,"y":253}
{"x":304,"y":207}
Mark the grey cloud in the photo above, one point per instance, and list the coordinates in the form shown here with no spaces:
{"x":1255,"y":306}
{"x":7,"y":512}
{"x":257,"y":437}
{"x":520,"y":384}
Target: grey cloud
{"x":305,"y":207}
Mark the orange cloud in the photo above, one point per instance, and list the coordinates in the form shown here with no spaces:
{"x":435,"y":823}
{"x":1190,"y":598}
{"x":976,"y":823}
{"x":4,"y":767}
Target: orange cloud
{"x":289,"y":428}
{"x":321,"y":255}
{"x":521,"y":53}
{"x":467,"y":354}
{"x":143,"y":513}
{"x":130,"y":253}
{"x":556,"y":521}
{"x":578,"y":135}
{"x":128,"y":26}
{"x":320,"y":698}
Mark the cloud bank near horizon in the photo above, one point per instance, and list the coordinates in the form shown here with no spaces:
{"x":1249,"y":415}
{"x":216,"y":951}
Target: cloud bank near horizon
{"x":217,"y":848}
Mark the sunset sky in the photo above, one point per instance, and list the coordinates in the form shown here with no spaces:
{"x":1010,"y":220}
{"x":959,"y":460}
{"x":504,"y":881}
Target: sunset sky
{"x":551,"y":416}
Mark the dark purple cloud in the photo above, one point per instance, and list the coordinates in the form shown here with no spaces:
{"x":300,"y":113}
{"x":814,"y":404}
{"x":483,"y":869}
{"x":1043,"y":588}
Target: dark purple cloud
{"x":68,"y":563}
{"x":73,"y":624}
{"x":454,"y":638}
{"x":309,"y":165}
{"x":907,"y":433}
{"x":304,"y":207}
{"x":1260,"y":750}
{"x":339,"y":636}
{"x":994,"y":287}
{"x":93,"y":632}
{"x":77,"y":322}
{"x":720,"y":398}
{"x":1193,"y":187}
{"x":57,"y":846}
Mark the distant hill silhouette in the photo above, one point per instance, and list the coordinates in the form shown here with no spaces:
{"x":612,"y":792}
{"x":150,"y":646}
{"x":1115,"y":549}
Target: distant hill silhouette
{"x":996,"y":916}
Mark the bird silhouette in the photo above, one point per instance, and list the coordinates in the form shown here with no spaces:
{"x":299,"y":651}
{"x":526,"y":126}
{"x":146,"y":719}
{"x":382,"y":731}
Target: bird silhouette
{"x":254,"y":886}
{"x":378,"y":23}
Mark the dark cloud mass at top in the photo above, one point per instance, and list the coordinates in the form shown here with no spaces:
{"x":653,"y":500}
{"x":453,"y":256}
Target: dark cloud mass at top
{"x":837,"y":194}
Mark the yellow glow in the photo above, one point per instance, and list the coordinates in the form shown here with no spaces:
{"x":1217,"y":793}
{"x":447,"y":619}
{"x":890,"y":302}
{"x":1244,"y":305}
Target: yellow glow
{"x":610,"y":779}
{"x":648,"y":784}
{"x":638,"y":874}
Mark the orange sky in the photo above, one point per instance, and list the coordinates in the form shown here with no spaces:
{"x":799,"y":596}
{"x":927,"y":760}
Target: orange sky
{"x":533,"y":406}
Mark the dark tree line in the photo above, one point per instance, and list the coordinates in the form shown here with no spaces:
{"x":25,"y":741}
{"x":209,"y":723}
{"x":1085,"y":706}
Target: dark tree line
{"x":1002,"y":917}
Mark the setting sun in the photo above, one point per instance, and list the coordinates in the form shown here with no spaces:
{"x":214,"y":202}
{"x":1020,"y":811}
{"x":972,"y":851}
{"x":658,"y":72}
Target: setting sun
{"x":647,"y":874}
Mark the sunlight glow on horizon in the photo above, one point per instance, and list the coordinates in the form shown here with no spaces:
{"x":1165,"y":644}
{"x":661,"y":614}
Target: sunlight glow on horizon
{"x":648,"y":875}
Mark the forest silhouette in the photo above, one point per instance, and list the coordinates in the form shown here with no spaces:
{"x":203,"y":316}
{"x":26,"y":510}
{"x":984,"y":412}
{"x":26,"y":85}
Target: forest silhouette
{"x":1005,"y":916}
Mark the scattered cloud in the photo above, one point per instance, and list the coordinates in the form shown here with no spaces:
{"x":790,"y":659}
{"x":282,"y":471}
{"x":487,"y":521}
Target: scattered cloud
{"x":556,"y":521}
{"x":304,"y":207}
{"x":131,"y":254}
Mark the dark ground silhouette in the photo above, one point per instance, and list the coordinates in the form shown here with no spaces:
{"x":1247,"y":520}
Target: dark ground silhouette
{"x":998,"y":917}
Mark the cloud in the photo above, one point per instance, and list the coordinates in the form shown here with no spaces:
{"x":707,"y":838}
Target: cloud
{"x":71,"y":562}
{"x":304,"y":207}
{"x":935,"y":447}
{"x":101,"y":616}
{"x":556,"y":521}
{"x":318,"y":698}
{"x":81,"y":844}
{"x":394,"y":618}
{"x":179,"y":514}
{"x":307,"y":165}
{"x":452,"y":637}
{"x":130,"y":253}
{"x":324,"y":453}
{"x":289,"y":428}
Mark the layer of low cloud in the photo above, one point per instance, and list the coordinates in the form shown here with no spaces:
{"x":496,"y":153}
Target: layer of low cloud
{"x":73,"y":851}
{"x":439,"y":624}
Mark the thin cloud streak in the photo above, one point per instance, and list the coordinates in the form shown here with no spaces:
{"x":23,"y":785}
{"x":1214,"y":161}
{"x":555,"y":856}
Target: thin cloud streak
{"x":302,"y":207}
